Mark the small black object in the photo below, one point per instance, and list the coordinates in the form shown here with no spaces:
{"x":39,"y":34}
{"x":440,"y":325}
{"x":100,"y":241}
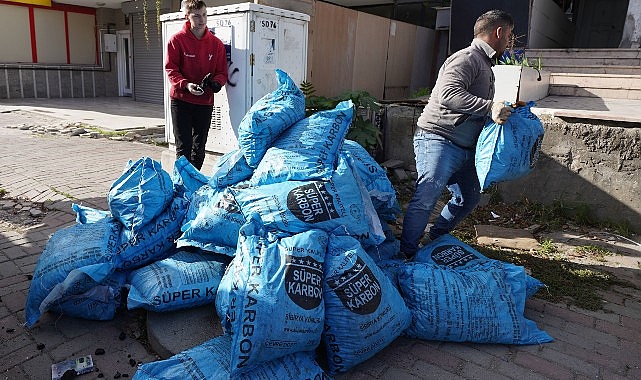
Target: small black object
{"x":122,"y":336}
{"x":68,"y":375}
{"x":99,"y":351}
{"x":208,"y":82}
{"x":215,"y":86}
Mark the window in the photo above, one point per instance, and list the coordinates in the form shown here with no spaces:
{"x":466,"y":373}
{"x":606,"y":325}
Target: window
{"x":49,"y":35}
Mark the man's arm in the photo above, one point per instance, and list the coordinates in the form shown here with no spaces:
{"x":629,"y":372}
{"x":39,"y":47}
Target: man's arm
{"x":461,"y":73}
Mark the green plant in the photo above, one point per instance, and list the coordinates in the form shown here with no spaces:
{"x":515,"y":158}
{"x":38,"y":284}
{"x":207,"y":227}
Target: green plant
{"x":599,"y":253}
{"x":362,"y":130}
{"x":423,"y":91}
{"x":495,"y":195}
{"x":565,"y":281}
{"x":549,"y":249}
{"x":64,"y":194}
{"x":584,"y":216}
{"x":3,"y":192}
{"x":516,"y":57}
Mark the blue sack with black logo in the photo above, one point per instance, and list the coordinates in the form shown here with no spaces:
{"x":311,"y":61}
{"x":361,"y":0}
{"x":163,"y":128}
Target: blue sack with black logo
{"x":297,"y":206}
{"x":449,"y":251}
{"x":271,"y":297}
{"x":483,"y":303}
{"x":364,"y":312}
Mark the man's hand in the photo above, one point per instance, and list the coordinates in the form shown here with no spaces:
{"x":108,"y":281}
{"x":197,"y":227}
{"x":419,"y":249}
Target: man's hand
{"x":194,"y":89}
{"x":500,"y":112}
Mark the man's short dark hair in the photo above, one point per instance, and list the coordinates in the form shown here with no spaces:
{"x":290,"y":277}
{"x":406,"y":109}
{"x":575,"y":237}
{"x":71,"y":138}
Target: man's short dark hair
{"x":192,"y":5}
{"x":488,"y":21}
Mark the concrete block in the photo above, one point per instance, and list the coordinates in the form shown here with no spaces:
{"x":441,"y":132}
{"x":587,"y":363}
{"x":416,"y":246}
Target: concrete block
{"x":505,"y":237}
{"x":399,"y":124}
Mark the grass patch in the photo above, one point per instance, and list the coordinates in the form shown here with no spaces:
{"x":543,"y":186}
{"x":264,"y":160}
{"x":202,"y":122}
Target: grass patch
{"x":105,"y":132}
{"x":598,"y":253}
{"x":60,"y":192}
{"x":3,"y":192}
{"x":568,"y":282}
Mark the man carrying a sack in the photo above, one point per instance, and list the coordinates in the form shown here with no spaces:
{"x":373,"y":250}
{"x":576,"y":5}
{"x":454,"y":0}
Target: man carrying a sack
{"x":448,"y":129}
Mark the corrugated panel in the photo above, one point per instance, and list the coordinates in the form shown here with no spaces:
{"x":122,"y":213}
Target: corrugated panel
{"x":148,"y":60}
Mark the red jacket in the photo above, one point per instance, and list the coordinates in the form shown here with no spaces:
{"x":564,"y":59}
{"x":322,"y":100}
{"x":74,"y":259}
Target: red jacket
{"x":189,"y":59}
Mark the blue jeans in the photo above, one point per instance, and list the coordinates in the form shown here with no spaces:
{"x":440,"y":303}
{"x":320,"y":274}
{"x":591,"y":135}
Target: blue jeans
{"x":440,"y":164}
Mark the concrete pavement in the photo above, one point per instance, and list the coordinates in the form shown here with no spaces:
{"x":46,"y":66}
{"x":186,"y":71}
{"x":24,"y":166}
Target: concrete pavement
{"x":64,"y":170}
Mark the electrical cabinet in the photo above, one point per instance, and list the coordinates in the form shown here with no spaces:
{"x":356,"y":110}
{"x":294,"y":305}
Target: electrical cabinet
{"x":259,"y":39}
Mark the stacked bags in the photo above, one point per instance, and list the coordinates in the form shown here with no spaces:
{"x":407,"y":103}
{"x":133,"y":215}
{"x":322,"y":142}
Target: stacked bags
{"x":82,"y":269}
{"x":289,"y":239}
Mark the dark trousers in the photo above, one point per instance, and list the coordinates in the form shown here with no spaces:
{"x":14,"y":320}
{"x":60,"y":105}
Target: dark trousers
{"x":191,"y":126}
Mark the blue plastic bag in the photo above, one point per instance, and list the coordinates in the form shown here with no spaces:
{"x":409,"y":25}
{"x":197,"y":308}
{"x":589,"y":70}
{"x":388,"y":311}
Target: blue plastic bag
{"x":307,"y":150}
{"x":269,"y":117}
{"x":297,"y":206}
{"x":509,"y":151}
{"x":375,"y":180}
{"x":212,"y":222}
{"x":140,"y":194}
{"x":211,"y":361}
{"x":183,"y":280}
{"x":230,"y":169}
{"x":451,"y":252}
{"x":99,"y":303}
{"x":271,"y":297}
{"x":482,"y":304}
{"x":88,"y":215}
{"x":186,"y":178}
{"x":75,"y":259}
{"x":155,"y":241}
{"x":364,"y":311}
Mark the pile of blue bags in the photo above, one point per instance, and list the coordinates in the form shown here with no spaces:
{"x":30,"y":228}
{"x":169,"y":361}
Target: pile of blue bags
{"x":288,"y":238}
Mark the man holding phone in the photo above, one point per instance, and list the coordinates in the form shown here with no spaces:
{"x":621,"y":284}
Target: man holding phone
{"x":196,"y":65}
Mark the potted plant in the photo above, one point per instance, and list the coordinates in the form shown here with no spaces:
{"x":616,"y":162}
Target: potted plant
{"x":517,"y":79}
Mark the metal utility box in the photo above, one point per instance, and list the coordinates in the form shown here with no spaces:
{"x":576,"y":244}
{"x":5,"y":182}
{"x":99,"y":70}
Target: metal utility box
{"x":259,"y":39}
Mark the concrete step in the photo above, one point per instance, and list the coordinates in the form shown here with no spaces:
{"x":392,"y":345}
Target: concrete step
{"x":588,"y":61}
{"x":592,"y":69}
{"x":596,"y":85}
{"x":584,"y":61}
{"x":584,"y":53}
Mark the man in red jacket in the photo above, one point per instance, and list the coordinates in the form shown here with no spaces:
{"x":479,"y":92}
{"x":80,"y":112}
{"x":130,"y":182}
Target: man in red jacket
{"x":196,"y":65}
